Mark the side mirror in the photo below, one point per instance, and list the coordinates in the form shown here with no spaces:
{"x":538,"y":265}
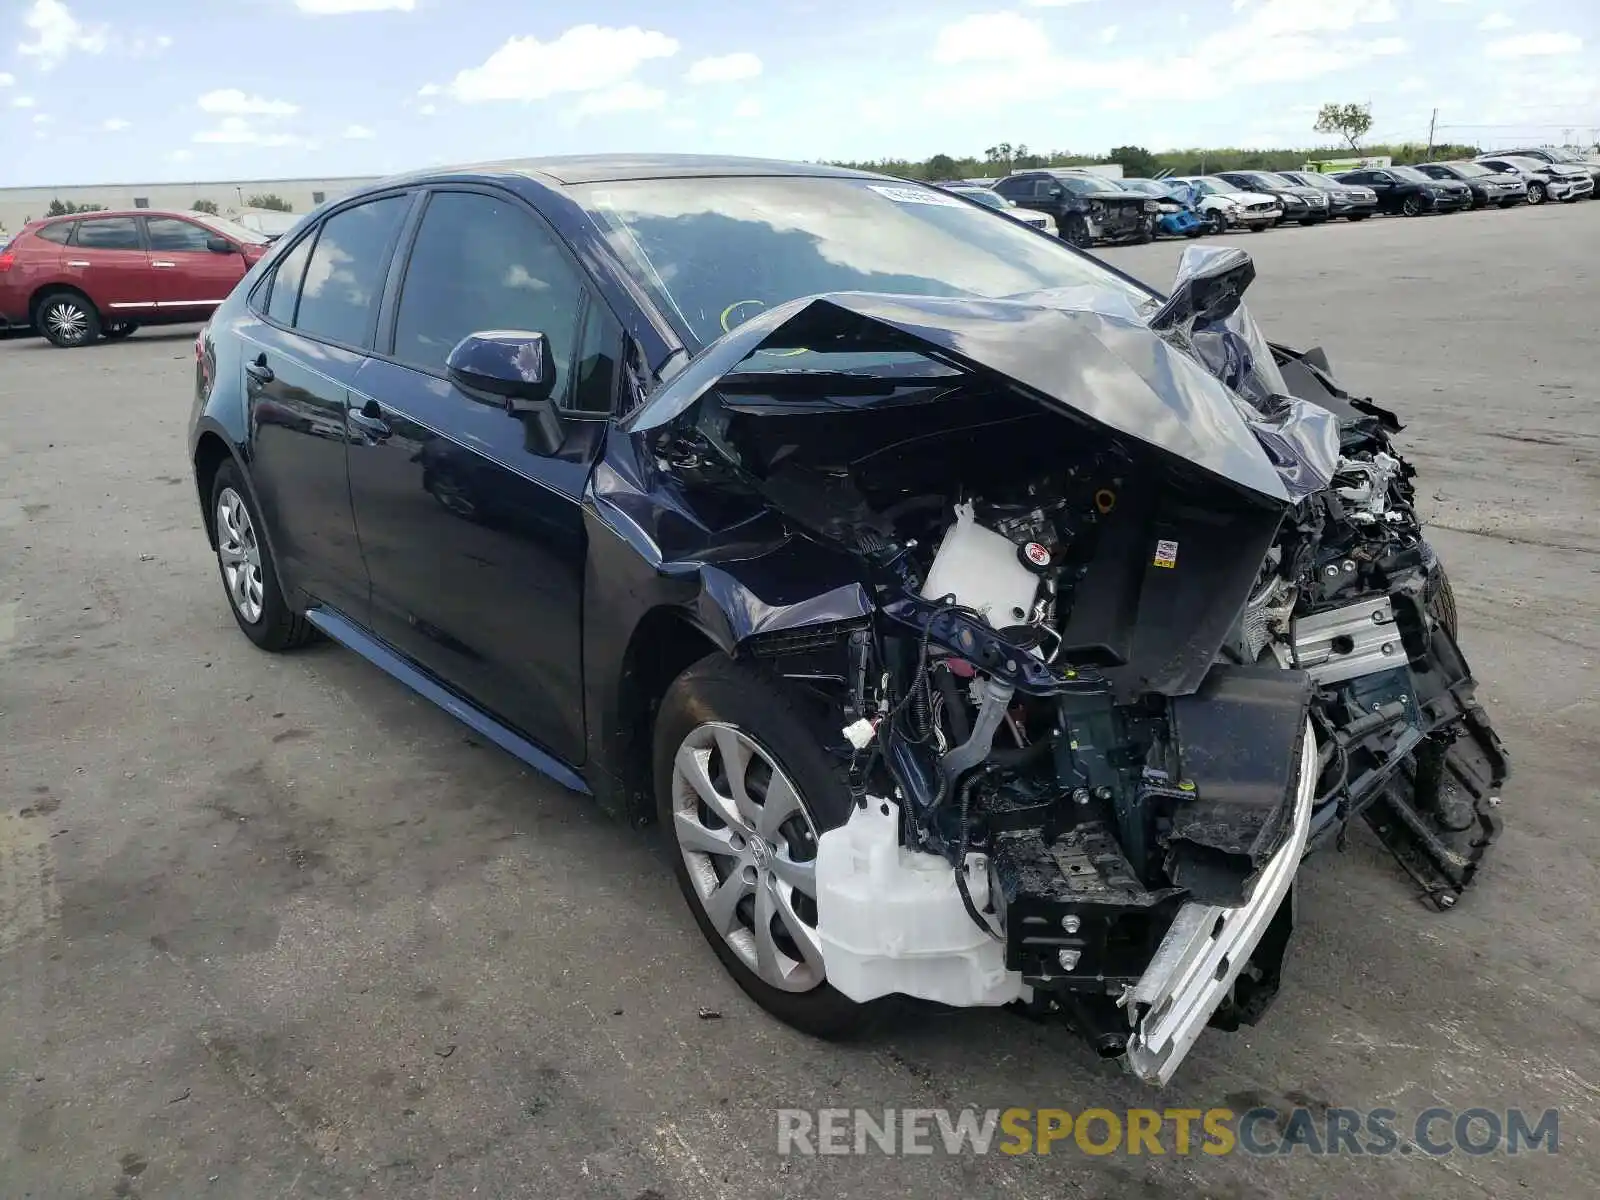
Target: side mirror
{"x":221,"y":245}
{"x":512,"y":369}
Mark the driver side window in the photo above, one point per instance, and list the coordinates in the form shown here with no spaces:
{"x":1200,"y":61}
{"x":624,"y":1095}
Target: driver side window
{"x":481,"y":262}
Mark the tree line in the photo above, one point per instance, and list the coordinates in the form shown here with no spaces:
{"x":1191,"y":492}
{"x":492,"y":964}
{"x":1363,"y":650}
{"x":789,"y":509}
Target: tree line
{"x":269,"y":201}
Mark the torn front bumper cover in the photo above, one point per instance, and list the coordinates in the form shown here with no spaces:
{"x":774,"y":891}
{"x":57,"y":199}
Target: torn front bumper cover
{"x":1208,"y":947}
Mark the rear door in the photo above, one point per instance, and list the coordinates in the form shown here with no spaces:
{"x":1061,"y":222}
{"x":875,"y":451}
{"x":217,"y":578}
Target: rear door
{"x":191,"y":278}
{"x":106,"y":259}
{"x":474,"y":539}
{"x":314,"y":321}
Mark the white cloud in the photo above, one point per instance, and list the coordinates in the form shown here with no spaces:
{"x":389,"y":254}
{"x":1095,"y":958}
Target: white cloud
{"x":429,"y":89}
{"x":627,"y":96}
{"x":1067,"y":3}
{"x":1412,"y":83}
{"x":56,"y":33}
{"x":7,"y":80}
{"x":1534,"y":45}
{"x":1495,"y":20}
{"x":357,"y":133}
{"x":990,"y":37}
{"x":747,"y":109}
{"x":583,"y":59}
{"x":115,"y":125}
{"x":22,"y":102}
{"x":41,"y":118}
{"x":726,"y":69}
{"x":236,"y":131}
{"x":428,"y":110}
{"x":236,"y":103}
{"x":1108,"y":35}
{"x":327,"y":7}
{"x":180,"y":156}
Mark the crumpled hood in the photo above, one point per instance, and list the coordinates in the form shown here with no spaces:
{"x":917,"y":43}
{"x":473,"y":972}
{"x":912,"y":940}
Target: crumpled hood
{"x":1193,"y":378}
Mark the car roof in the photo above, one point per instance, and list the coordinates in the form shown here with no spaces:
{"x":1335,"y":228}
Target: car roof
{"x":41,"y":222}
{"x":615,"y":168}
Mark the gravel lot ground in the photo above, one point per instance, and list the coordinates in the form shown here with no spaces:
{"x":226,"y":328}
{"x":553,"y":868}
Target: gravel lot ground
{"x":272,"y":927}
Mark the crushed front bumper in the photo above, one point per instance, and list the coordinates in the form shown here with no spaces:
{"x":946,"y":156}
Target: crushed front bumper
{"x":1207,"y":948}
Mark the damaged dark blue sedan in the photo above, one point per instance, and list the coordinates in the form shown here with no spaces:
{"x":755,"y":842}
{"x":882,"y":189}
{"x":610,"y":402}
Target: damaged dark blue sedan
{"x":979,"y":626}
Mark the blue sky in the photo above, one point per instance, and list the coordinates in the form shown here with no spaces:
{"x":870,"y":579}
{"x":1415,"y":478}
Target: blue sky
{"x":98,"y":91}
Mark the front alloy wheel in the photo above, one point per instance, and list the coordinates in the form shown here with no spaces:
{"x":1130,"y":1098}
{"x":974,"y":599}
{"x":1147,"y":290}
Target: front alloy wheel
{"x":1536,"y":193}
{"x":240,"y":556}
{"x":1412,"y":206}
{"x":751,"y":853}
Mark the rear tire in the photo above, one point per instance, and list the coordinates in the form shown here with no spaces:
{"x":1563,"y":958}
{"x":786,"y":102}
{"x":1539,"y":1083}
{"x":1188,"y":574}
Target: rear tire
{"x":67,"y":319}
{"x":249,"y":578}
{"x":728,"y":732}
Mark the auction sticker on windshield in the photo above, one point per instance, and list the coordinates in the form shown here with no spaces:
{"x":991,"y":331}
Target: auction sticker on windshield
{"x":907,"y":195}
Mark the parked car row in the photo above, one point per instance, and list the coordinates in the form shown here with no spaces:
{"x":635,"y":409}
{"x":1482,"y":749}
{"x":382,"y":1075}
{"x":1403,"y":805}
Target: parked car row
{"x":1087,"y":209}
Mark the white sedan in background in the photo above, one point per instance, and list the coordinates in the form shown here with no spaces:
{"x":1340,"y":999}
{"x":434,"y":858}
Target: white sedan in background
{"x":1225,"y":206}
{"x":990,"y":199}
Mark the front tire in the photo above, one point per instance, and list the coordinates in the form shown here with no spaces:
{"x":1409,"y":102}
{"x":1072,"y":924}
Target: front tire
{"x":743,"y":789}
{"x":245,"y":563}
{"x":67,"y":319}
{"x":1536,"y":193}
{"x":1412,"y":206}
{"x":1076,"y":232}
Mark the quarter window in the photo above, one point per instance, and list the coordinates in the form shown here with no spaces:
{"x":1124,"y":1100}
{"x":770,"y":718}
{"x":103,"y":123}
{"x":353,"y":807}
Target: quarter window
{"x":344,"y":277}
{"x":480,"y":263}
{"x":57,"y":233}
{"x":109,"y":233}
{"x":286,"y":281}
{"x":171,"y":234}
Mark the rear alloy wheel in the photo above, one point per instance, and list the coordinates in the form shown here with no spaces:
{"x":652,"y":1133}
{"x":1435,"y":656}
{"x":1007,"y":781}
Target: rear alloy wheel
{"x":1536,"y":193}
{"x":743,"y":790}
{"x":1412,"y":206}
{"x":68,"y":320}
{"x":245,"y":562}
{"x":115,"y":333}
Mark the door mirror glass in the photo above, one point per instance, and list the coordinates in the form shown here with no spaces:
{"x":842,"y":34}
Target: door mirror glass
{"x":513,"y":369}
{"x":220,"y":245}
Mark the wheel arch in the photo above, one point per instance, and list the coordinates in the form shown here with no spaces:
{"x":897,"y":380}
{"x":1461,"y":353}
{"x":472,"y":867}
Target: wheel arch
{"x":665,"y":643}
{"x":212,"y":449}
{"x":55,"y":287}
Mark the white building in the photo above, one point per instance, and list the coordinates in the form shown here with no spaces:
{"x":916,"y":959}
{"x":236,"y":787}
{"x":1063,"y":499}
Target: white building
{"x":20,"y":205}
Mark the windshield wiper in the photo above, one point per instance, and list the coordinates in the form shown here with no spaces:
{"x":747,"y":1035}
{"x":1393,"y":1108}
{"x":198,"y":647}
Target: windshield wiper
{"x":847,"y":383}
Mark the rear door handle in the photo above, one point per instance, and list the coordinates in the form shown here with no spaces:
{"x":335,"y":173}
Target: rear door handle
{"x":259,"y":371}
{"x":78,"y":263}
{"x":369,"y":420}
{"x":163,"y":264}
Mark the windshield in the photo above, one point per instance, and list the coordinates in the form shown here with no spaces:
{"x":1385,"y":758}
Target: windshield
{"x":713,"y":252}
{"x":1469,"y":170}
{"x":1313,"y":179}
{"x":1150,"y":187}
{"x":1268,"y":179}
{"x":1210,"y":185}
{"x":1089,"y":185}
{"x":230,"y":229}
{"x":1410,"y":174}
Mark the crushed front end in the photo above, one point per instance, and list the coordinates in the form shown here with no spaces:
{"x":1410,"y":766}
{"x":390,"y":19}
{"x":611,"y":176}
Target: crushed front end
{"x":1138,"y":628}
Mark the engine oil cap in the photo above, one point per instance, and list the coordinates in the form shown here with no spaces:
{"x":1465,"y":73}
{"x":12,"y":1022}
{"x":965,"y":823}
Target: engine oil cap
{"x":1035,"y":556}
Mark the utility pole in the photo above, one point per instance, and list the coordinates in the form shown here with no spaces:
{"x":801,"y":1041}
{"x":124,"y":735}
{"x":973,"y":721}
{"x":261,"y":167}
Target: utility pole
{"x":1432,"y":121}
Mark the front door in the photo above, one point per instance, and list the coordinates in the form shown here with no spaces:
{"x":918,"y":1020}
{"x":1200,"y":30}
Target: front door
{"x":106,"y":259}
{"x":191,"y":278}
{"x":474,"y":538}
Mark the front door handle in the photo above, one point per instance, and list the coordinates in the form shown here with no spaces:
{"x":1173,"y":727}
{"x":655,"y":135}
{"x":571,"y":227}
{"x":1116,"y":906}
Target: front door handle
{"x":163,"y":264}
{"x":369,"y":420}
{"x":258,"y":370}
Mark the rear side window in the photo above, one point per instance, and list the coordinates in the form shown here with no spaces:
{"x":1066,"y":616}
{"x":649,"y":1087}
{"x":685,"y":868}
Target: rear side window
{"x":57,"y":233}
{"x":169,"y":233}
{"x":286,"y":281}
{"x":109,"y":233}
{"x":479,"y":263}
{"x":344,"y":278}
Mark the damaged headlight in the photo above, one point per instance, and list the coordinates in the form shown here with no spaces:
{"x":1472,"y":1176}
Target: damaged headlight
{"x":1152,"y":206}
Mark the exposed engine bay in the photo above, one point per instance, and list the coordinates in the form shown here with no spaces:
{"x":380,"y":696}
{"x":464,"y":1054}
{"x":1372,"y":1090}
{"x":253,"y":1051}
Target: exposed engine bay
{"x":1110,"y":689}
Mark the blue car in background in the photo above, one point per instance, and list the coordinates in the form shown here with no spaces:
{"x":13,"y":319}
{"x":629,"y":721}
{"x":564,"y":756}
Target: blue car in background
{"x":1179,"y":214}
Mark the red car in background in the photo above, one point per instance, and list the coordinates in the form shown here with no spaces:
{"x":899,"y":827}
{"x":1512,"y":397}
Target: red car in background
{"x":79,"y":278}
